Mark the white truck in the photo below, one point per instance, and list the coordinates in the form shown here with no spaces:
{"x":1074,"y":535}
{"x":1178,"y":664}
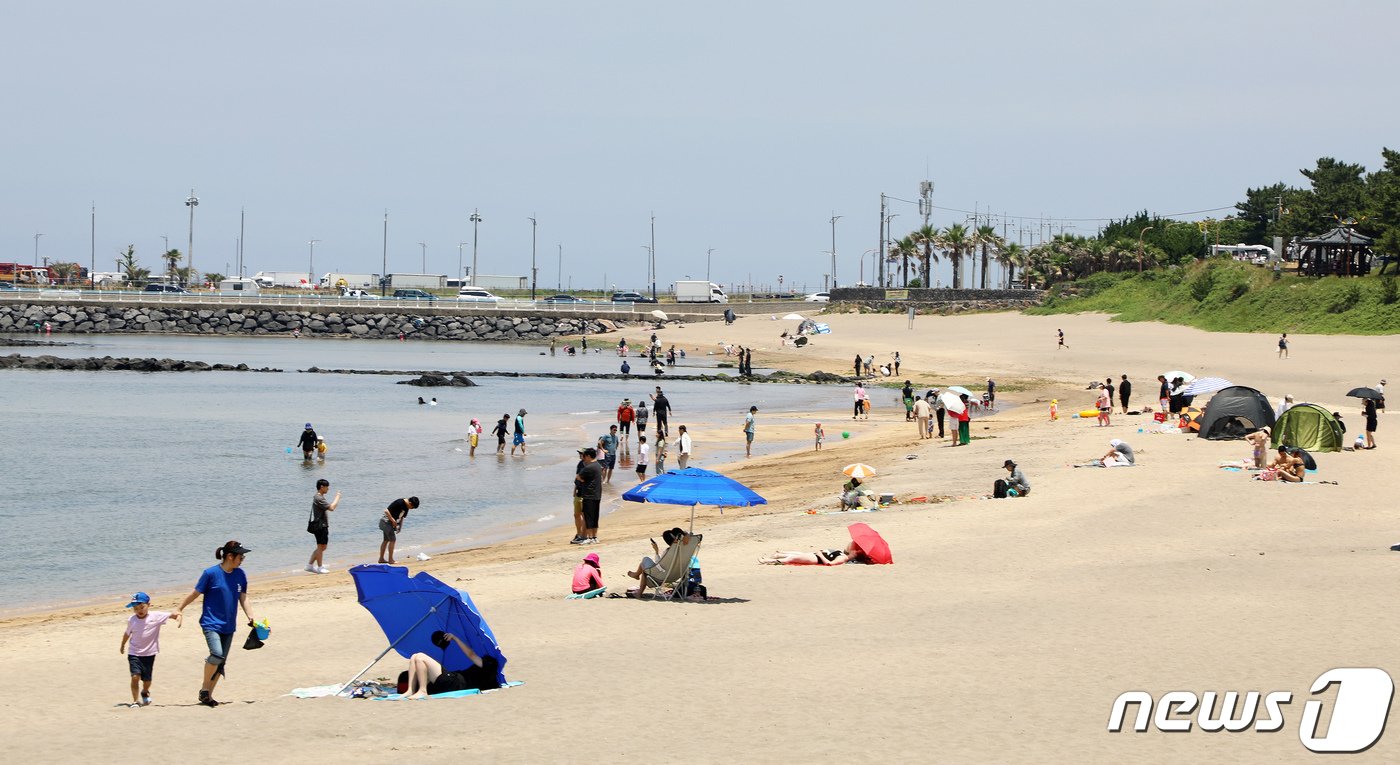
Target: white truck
{"x":269,"y":279}
{"x":699,"y":292}
{"x":335,"y":280}
{"x":421,"y":281}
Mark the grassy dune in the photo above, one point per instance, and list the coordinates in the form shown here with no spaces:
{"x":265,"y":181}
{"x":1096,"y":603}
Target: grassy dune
{"x":1227,"y":296}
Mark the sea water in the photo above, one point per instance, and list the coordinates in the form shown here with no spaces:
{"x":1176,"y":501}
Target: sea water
{"x":125,"y":481}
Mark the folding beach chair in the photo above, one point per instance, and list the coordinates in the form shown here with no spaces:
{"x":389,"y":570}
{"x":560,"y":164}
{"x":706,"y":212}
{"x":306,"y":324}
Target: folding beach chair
{"x":672,"y":569}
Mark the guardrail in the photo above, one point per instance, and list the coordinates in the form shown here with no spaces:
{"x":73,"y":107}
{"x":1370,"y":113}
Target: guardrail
{"x":196,"y":300}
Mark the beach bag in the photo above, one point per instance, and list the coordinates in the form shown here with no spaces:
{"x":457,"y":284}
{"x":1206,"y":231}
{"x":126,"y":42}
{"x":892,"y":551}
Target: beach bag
{"x":253,"y":642}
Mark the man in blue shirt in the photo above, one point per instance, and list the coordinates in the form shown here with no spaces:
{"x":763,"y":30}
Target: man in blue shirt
{"x":225,"y":588}
{"x":608,"y":444}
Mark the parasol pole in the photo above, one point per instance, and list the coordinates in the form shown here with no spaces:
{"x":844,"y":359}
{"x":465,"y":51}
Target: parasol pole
{"x":431,"y":610}
{"x":692,"y":517}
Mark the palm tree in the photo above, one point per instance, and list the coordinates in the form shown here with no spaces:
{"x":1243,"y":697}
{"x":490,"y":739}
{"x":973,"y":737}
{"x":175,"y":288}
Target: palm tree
{"x":985,"y":237}
{"x":135,"y":274}
{"x":172,"y":260}
{"x":899,"y":253}
{"x":926,"y":237}
{"x":956,"y":241}
{"x":1010,"y":257}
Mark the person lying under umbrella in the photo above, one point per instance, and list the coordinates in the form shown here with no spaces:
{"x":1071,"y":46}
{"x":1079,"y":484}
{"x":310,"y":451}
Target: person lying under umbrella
{"x":426,"y":676}
{"x":852,"y":554}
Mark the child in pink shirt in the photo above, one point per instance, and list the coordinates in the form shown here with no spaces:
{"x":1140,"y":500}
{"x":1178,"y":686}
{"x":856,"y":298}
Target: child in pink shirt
{"x":588,"y":576}
{"x":143,"y":632}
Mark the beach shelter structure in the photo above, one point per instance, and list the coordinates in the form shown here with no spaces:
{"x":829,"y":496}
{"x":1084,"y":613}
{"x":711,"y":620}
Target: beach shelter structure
{"x":1310,"y":427}
{"x":1339,"y":252}
{"x":1234,"y":412}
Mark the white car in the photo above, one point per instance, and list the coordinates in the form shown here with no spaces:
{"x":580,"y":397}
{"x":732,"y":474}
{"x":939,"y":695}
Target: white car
{"x":818,"y":297}
{"x":477,"y":295}
{"x":357,"y":295}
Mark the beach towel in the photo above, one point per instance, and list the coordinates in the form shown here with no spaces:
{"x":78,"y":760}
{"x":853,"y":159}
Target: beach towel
{"x":598,"y":593}
{"x":453,"y":694}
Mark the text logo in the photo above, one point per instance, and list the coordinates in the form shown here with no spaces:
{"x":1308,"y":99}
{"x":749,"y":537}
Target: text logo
{"x":1357,"y":720}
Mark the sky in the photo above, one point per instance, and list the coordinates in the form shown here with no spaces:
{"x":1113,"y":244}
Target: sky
{"x":742,"y":127}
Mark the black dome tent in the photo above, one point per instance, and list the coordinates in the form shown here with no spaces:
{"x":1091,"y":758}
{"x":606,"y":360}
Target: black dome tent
{"x":1235,"y":412}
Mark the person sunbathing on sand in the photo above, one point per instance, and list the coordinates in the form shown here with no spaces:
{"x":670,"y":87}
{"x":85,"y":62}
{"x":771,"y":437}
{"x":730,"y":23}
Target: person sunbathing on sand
{"x":425,"y":674}
{"x":1287,"y":466}
{"x":851,"y":554}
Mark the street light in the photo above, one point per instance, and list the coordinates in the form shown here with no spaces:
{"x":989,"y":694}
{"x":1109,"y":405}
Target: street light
{"x":834,"y":218}
{"x":1140,"y":234}
{"x":424,"y":245}
{"x":890,"y":234}
{"x":191,"y":203}
{"x":460,"y":245}
{"x":652,"y":250}
{"x":559,"y":286}
{"x":475,"y":219}
{"x":311,"y":264}
{"x":708,"y":253}
{"x":36,"y":247}
{"x":533,"y":271}
{"x":651,"y":258}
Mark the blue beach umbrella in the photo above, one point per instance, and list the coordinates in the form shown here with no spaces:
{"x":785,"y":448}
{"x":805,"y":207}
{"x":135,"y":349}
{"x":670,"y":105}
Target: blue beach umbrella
{"x":694,"y":486}
{"x":411,"y":609}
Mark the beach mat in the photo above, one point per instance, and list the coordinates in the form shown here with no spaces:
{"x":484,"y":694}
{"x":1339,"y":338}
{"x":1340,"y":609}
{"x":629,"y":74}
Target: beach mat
{"x":451,"y":694}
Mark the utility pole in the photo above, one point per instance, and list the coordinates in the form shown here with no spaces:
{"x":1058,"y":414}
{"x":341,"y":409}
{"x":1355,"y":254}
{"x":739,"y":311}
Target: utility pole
{"x":424,"y":245}
{"x":559,"y":277}
{"x":36,"y":247}
{"x":652,"y":250}
{"x":384,"y":267}
{"x":240,"y":242}
{"x":311,"y":264}
{"x":533,"y":270}
{"x":880,"y":271}
{"x":92,"y":273}
{"x":476,"y":220}
{"x":834,"y":218}
{"x":460,"y":245}
{"x":708,"y":253}
{"x":191,"y":203}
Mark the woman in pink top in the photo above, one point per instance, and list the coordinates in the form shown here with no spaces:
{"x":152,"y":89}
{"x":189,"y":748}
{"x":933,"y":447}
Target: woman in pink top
{"x":588,"y":576}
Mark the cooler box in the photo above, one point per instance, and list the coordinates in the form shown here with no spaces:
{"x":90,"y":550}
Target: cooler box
{"x":1159,"y":416}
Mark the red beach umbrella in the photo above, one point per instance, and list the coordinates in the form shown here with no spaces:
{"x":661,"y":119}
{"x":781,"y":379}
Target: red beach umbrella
{"x":869,"y":541}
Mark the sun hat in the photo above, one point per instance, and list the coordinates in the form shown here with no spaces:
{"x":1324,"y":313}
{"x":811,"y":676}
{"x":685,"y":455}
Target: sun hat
{"x":1008,"y":464}
{"x":1114,"y":442}
{"x":139,"y":598}
{"x":591,"y":558}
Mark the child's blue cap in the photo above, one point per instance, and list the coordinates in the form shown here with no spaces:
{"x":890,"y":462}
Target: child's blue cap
{"x":139,"y":598}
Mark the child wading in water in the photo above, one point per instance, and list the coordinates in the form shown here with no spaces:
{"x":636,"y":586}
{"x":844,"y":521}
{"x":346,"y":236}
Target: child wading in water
{"x":143,"y":632}
{"x":820,"y":436}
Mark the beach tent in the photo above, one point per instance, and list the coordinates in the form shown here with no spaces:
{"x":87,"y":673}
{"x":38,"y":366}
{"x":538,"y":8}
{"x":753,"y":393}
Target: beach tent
{"x":1310,"y":427}
{"x":1234,"y":412}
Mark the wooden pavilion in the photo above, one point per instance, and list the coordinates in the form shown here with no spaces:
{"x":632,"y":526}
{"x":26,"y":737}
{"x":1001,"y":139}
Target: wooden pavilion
{"x":1339,"y":252}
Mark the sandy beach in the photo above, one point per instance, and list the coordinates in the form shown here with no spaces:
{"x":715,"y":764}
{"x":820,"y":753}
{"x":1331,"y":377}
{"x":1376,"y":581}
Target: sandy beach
{"x":1002,"y":633}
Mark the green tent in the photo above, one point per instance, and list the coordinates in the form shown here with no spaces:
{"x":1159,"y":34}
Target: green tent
{"x":1310,"y":427}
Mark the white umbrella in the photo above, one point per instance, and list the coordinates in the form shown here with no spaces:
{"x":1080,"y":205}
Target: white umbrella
{"x":660,"y":315}
{"x":952,"y":402}
{"x":960,"y":390}
{"x":1206,"y":385}
{"x":793,"y":317}
{"x":1186,"y":376}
